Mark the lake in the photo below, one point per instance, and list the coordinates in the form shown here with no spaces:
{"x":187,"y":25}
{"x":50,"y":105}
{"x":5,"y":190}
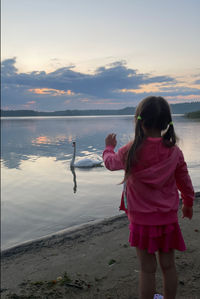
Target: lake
{"x":39,"y":195}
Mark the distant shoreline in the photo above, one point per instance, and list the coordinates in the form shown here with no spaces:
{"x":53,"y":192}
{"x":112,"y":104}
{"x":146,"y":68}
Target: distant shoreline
{"x":181,"y":108}
{"x":77,"y":116}
{"x":27,"y":113}
{"x":194,"y":115}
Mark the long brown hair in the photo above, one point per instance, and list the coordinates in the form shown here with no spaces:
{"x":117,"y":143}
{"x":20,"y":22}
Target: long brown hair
{"x":154,"y":113}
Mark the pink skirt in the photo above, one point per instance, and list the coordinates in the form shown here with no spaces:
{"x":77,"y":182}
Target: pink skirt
{"x":156,"y":237}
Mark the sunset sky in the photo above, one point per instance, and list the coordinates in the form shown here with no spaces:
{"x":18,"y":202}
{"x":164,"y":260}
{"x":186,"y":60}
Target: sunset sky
{"x":91,"y":54}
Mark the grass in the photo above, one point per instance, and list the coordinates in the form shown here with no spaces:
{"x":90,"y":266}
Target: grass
{"x":111,"y":262}
{"x":57,"y":288}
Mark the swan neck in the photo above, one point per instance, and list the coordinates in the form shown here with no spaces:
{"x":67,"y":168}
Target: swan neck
{"x":74,"y":155}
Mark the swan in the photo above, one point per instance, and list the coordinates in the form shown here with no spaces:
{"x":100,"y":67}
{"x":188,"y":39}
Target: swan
{"x":84,"y":162}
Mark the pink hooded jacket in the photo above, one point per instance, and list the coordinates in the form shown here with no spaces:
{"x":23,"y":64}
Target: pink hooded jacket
{"x":152,"y":187}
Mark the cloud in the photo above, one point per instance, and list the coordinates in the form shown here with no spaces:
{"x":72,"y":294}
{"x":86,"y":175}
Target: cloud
{"x":8,"y":67}
{"x":31,"y":102}
{"x":182,"y":97}
{"x":50,"y":91}
{"x":66,"y":88}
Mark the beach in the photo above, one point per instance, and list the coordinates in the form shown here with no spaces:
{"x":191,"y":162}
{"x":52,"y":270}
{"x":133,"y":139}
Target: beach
{"x":93,"y":261}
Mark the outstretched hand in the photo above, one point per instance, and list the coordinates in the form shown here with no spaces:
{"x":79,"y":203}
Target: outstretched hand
{"x":187,"y":212}
{"x":111,"y":140}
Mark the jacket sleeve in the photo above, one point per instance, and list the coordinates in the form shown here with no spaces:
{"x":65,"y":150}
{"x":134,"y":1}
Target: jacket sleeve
{"x":183,"y":182}
{"x":112,"y":160}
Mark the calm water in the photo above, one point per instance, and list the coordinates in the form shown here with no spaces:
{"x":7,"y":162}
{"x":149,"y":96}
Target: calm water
{"x":38,"y":195}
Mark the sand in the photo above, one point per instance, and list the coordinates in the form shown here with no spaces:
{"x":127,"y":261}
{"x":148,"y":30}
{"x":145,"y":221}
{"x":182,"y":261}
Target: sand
{"x":93,"y":261}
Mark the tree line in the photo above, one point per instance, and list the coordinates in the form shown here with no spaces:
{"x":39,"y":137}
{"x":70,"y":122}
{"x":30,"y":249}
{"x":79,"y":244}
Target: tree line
{"x":179,"y":108}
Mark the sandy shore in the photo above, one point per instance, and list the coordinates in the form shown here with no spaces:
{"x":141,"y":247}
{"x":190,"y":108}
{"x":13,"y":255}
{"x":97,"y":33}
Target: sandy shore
{"x":93,"y":261}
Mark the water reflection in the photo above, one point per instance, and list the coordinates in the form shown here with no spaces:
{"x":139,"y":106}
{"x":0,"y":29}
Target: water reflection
{"x":52,"y":137}
{"x":84,"y":169}
{"x":74,"y":178}
{"x":24,"y":138}
{"x":28,"y":139}
{"x":41,"y":194}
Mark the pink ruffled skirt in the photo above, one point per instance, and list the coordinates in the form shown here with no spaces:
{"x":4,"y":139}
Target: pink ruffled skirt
{"x":156,"y":237}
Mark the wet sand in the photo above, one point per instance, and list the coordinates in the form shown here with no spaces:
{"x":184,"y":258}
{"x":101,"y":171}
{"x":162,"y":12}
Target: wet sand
{"x":93,"y":261}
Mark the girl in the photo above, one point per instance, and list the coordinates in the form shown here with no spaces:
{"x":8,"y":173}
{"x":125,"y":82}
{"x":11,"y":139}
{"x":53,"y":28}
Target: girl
{"x":154,"y":171}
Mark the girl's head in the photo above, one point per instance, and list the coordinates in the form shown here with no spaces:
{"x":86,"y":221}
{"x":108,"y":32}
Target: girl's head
{"x":154,"y":112}
{"x":152,"y":115}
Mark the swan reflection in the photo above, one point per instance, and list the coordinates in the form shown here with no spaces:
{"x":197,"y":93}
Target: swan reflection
{"x":74,"y":178}
{"x":84,"y":163}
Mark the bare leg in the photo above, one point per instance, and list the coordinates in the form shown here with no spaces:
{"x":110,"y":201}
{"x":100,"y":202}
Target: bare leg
{"x":148,"y":265}
{"x":168,"y":268}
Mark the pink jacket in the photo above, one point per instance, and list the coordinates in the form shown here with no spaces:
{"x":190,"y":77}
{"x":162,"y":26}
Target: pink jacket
{"x":152,"y":188}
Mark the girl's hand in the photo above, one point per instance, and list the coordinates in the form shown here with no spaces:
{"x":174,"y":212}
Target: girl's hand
{"x":187,"y":212}
{"x":111,"y":140}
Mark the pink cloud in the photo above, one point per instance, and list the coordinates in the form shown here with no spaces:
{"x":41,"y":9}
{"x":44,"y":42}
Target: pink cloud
{"x":51,"y":91}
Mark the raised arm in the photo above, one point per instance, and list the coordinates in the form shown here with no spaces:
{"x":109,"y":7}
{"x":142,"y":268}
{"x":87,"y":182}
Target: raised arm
{"x":112,"y":160}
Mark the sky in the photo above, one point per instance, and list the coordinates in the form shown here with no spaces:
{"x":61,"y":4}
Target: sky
{"x":91,"y":54}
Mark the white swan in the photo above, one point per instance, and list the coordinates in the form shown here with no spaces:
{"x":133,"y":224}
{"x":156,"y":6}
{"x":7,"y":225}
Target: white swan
{"x":85,"y":162}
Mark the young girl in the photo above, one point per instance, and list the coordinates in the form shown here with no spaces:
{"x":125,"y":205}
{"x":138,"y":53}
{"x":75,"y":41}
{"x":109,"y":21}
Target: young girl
{"x":154,"y":171}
